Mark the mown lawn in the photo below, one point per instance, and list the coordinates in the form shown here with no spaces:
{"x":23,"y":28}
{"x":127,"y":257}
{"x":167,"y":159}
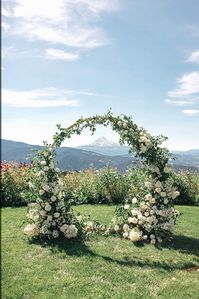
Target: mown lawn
{"x":103,"y":267}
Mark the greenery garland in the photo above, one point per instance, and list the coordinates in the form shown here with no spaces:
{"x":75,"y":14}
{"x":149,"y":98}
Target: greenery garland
{"x":149,"y":219}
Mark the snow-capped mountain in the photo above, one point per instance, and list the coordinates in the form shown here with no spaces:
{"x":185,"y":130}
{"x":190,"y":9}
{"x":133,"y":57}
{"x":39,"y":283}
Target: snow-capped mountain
{"x":102,"y":141}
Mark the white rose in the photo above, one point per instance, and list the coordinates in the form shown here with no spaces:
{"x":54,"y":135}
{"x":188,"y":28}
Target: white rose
{"x":145,"y":237}
{"x":125,"y":227}
{"x":31,"y":230}
{"x":56,"y":215}
{"x":53,"y":198}
{"x":152,"y":236}
{"x":48,"y":207}
{"x":148,"y":197}
{"x":55,"y":234}
{"x":166,"y":201}
{"x":146,"y":214}
{"x":125,"y":234}
{"x":43,"y":163}
{"x":148,"y":185}
{"x":163,"y":194}
{"x":41,"y":192}
{"x":143,"y":148}
{"x":153,"y":241}
{"x":152,"y":201}
{"x":116,"y":228}
{"x":158,"y":190}
{"x":49,"y":218}
{"x":134,"y":235}
{"x":158,"y":184}
{"x":63,"y":228}
{"x":46,"y":168}
{"x":134,"y":200}
{"x":46,"y":187}
{"x":126,"y":207}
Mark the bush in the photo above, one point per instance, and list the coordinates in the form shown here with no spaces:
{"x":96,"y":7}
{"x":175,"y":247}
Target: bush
{"x":15,"y":184}
{"x":187,"y":183}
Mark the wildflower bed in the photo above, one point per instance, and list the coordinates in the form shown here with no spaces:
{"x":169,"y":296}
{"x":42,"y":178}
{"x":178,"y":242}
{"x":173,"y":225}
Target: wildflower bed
{"x":99,"y":267}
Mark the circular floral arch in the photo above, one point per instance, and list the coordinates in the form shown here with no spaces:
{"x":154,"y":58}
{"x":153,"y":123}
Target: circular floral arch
{"x":148,"y":219}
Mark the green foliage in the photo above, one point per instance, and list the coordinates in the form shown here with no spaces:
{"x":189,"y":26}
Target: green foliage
{"x":187,"y":183}
{"x":15,"y":184}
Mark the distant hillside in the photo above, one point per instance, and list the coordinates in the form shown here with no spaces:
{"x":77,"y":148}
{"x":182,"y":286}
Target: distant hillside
{"x":68,"y":158}
{"x":77,"y":158}
{"x":184,"y":159}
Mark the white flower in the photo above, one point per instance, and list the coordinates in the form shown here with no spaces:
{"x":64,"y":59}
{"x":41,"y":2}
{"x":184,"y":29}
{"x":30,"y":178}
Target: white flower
{"x":79,"y":218}
{"x":134,"y":235}
{"x":132,"y":220}
{"x":125,"y":227}
{"x":153,"y":241}
{"x":55,"y":234}
{"x":159,"y":239}
{"x":144,"y":237}
{"x":49,"y":218}
{"x":134,"y":200}
{"x":146,"y":214}
{"x":125,"y":234}
{"x":166,"y":201}
{"x":46,"y":168}
{"x":152,"y":200}
{"x":56,"y":215}
{"x":163,"y":194}
{"x":57,"y":169}
{"x":46,"y":155}
{"x":63,"y":228}
{"x":43,"y":163}
{"x":71,"y":231}
{"x":41,"y":192}
{"x":125,"y":125}
{"x":53,"y":198}
{"x":148,"y":197}
{"x":126,"y":207}
{"x":152,"y":236}
{"x":158,"y":184}
{"x":48,"y":207}
{"x":148,"y":185}
{"x":158,"y":190}
{"x":143,"y":148}
{"x":175,"y":194}
{"x":31,"y":230}
{"x":46,"y":187}
{"x":116,"y":228}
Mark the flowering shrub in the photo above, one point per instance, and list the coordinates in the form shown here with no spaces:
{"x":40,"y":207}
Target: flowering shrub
{"x":148,"y":219}
{"x":15,"y":179}
{"x":187,"y":183}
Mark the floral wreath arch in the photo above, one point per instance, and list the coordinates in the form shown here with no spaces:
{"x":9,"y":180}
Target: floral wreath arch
{"x":149,"y":219}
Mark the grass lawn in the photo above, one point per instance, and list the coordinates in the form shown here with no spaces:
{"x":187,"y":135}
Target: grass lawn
{"x":103,"y":267}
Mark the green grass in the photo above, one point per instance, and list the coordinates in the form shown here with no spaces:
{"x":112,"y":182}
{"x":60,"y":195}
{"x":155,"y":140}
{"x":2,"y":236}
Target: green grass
{"x":103,"y":267}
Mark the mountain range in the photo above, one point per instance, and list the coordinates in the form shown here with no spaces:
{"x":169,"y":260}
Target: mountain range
{"x":97,"y":154}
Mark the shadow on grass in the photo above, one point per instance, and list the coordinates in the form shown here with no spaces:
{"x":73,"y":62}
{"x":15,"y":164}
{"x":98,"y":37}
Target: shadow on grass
{"x":183,"y":244}
{"x":78,"y":248}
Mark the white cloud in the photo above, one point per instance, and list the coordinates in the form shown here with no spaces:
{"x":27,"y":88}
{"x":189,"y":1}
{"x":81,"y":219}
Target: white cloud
{"x":65,"y":22}
{"x":186,"y":93}
{"x":191,"y":111}
{"x":188,"y":85}
{"x":52,"y":53}
{"x":194,"y":57}
{"x":178,"y":102}
{"x":37,"y":98}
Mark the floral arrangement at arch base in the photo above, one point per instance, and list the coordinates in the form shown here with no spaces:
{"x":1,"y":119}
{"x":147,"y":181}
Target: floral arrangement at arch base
{"x":149,"y":219}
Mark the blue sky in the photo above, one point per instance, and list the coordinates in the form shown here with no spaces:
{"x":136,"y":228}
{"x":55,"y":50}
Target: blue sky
{"x":64,"y":59}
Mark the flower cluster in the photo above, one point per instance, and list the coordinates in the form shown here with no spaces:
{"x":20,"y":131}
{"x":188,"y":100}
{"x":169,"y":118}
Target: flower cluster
{"x":49,"y":216}
{"x":151,"y":219}
{"x":148,"y":219}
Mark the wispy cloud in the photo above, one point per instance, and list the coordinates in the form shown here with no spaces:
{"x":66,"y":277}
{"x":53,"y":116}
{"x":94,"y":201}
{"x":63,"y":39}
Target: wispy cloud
{"x":71,"y":23}
{"x":37,"y":98}
{"x":186,"y":93}
{"x":57,"y":54}
{"x":190,"y":112}
{"x":188,"y":85}
{"x":194,"y":57}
